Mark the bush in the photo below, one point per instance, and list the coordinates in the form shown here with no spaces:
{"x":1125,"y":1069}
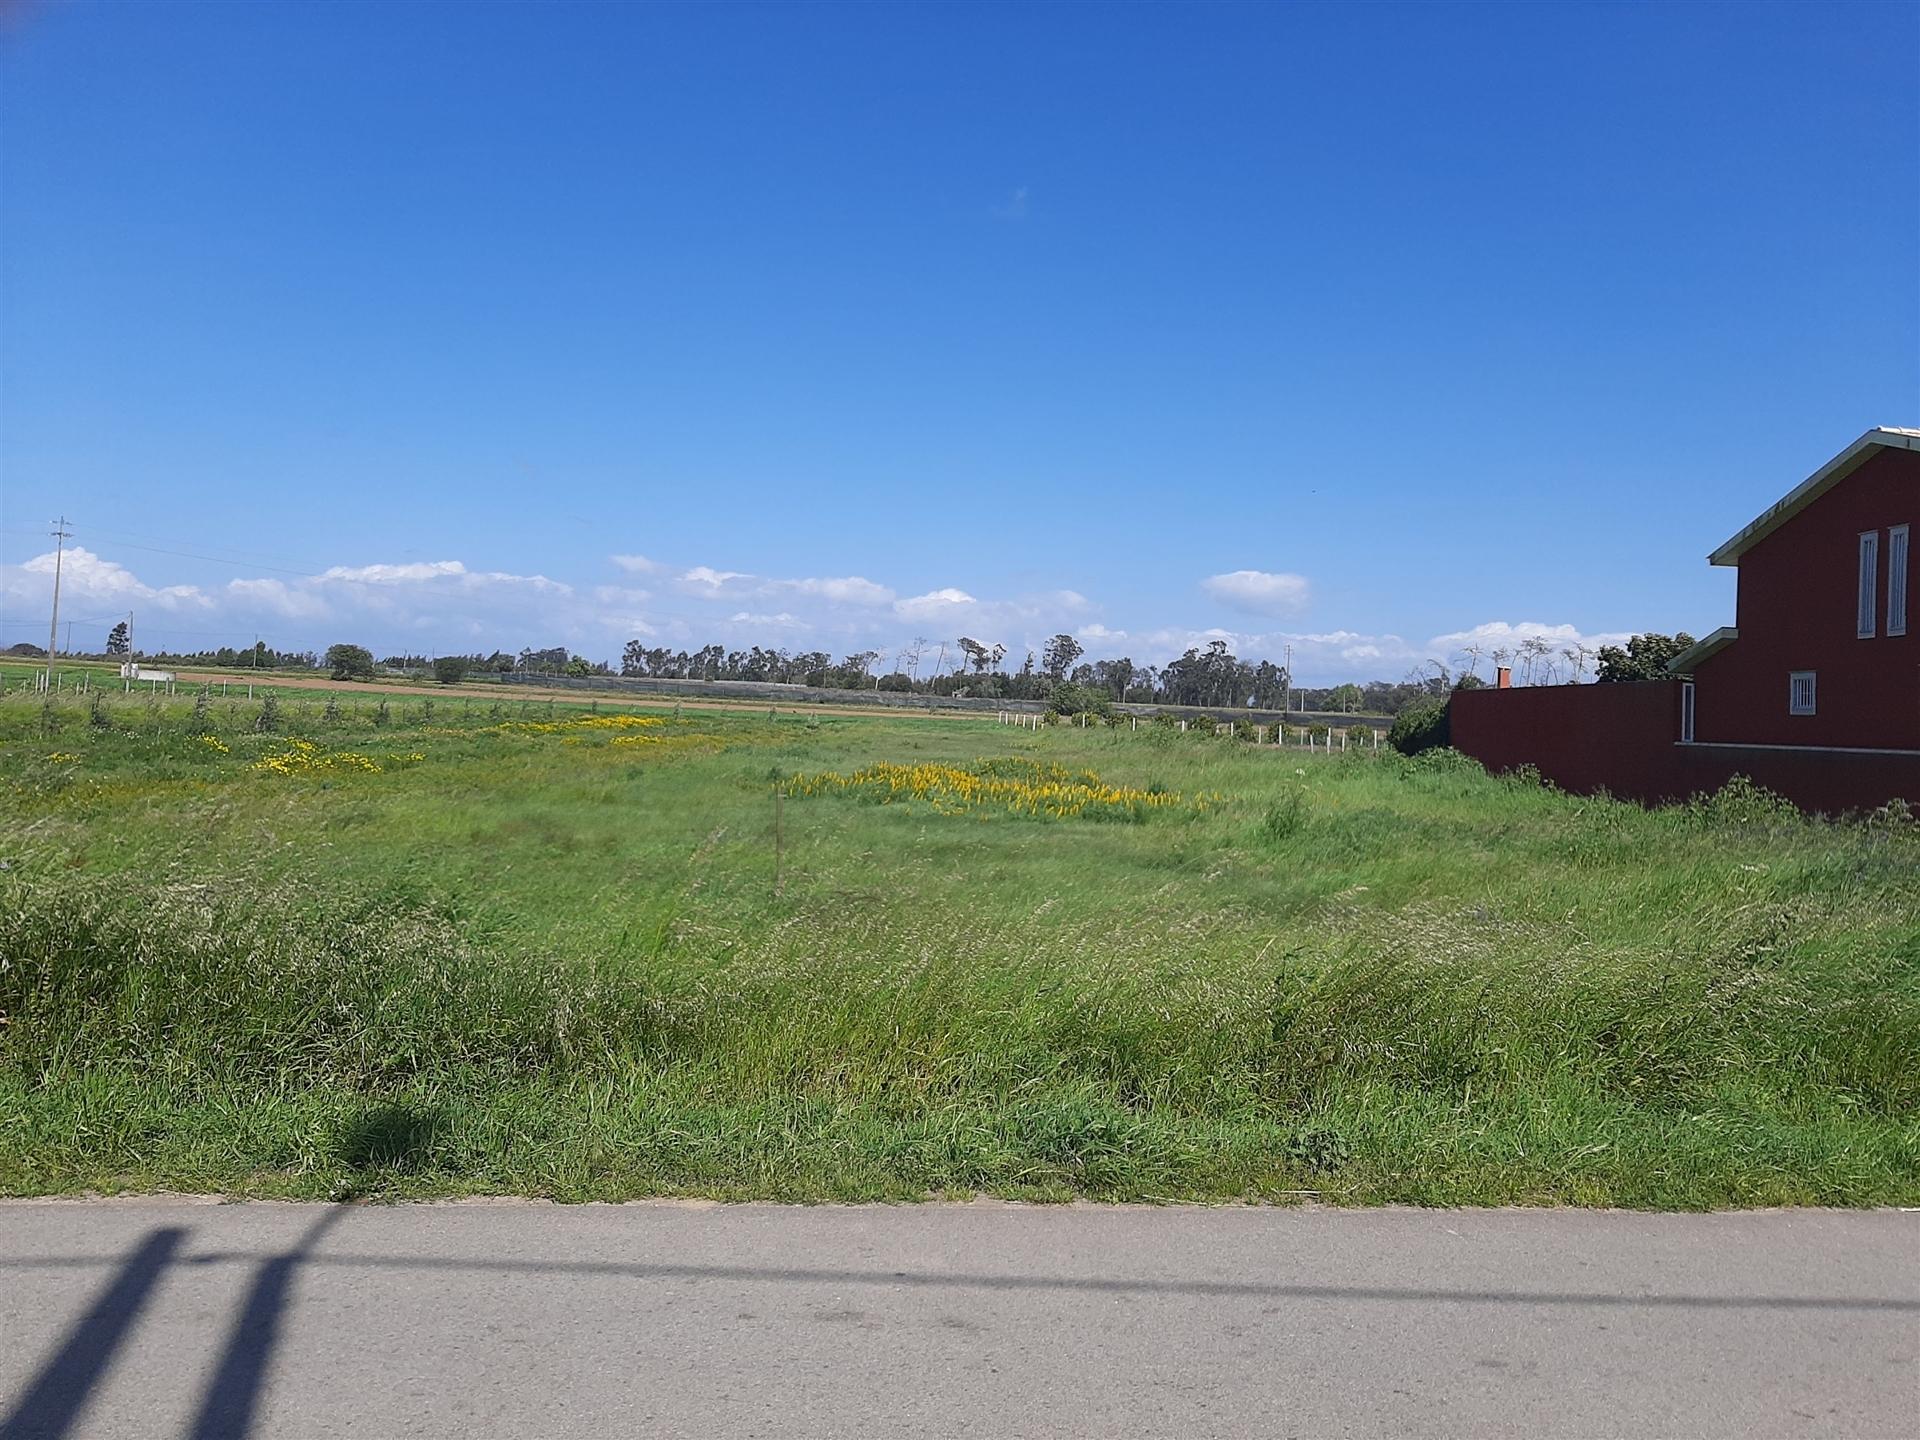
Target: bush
{"x":1079,"y":700}
{"x":350,"y":662}
{"x":1360,"y":737}
{"x":1421,"y":727}
{"x":268,"y":720}
{"x":451,"y":669}
{"x":1284,"y":817}
{"x":1741,"y":802}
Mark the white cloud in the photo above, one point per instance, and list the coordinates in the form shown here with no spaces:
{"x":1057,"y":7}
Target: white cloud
{"x":782,"y":621}
{"x":936,"y":606}
{"x":88,"y":580}
{"x":1506,"y":634}
{"x":849,"y":590}
{"x":621,"y":595}
{"x":394,"y":574}
{"x":278,"y":598}
{"x":1258,"y":592}
{"x":704,"y":582}
{"x":637,"y":564}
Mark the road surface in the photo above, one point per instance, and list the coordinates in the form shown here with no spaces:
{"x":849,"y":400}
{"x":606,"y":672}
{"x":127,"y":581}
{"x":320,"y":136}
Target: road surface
{"x":196,"y":1319}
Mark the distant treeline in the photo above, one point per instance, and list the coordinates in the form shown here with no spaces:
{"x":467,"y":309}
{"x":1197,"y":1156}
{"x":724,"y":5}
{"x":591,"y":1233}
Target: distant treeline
{"x":1211,"y":676}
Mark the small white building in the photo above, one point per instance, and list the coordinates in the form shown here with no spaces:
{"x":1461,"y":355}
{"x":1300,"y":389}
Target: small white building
{"x":134,"y":670}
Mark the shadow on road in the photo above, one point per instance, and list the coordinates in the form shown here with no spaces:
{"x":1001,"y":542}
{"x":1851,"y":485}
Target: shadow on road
{"x":53,"y":1399}
{"x":233,"y":1395}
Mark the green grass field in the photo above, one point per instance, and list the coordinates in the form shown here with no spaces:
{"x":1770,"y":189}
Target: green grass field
{"x":533,"y":949}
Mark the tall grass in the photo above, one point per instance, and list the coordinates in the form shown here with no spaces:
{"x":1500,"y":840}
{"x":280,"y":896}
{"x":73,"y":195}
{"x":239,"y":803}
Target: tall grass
{"x":541,"y":963}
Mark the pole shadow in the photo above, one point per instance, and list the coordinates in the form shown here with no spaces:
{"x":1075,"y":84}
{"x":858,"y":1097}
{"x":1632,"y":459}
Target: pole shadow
{"x":53,"y":1399}
{"x":232,"y":1399}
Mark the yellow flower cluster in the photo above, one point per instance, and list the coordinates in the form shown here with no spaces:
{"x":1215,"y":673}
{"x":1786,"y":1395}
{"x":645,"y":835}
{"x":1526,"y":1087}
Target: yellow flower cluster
{"x":670,"y":744}
{"x":303,"y":757}
{"x":216,"y":744}
{"x":1019,"y":786}
{"x":577,"y":723}
{"x":63,"y":757}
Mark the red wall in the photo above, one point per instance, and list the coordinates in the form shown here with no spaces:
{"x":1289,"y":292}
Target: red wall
{"x":1622,"y":739}
{"x":1797,"y":611}
{"x":1581,"y":737}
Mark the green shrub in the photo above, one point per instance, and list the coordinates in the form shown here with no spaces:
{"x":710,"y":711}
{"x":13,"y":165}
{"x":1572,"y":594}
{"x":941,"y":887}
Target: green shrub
{"x":1079,"y":700}
{"x":1421,"y":727}
{"x":1284,"y":817}
{"x":349,"y":662}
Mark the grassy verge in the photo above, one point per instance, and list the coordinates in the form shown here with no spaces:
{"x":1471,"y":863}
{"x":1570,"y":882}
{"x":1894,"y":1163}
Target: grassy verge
{"x":534,"y":949}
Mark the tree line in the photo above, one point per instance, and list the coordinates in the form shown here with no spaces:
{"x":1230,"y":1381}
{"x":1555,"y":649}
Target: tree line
{"x":1210,"y":676}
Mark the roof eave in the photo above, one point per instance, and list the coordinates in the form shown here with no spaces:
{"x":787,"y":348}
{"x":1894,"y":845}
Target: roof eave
{"x":1696,"y":654}
{"x":1882,"y":437}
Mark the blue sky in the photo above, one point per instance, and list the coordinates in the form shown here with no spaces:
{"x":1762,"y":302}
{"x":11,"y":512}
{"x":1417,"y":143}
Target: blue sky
{"x":1360,"y":328}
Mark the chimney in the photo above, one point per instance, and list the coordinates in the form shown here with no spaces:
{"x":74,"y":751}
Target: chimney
{"x":1503,"y":678}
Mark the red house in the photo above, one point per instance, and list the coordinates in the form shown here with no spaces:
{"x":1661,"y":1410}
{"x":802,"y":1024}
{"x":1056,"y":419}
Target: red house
{"x":1821,"y":652}
{"x":1814,"y":692}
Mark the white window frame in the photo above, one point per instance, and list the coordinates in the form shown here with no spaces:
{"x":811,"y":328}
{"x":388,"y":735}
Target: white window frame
{"x":1686,"y":713}
{"x":1795,"y":705}
{"x":1867,"y":597}
{"x":1899,"y":561}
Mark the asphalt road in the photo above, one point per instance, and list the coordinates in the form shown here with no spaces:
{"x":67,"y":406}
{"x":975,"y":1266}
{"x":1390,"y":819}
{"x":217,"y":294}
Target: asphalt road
{"x":154,"y":1318}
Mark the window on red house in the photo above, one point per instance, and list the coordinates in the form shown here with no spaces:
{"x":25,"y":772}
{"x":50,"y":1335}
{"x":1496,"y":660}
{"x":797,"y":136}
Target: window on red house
{"x":1869,"y":584}
{"x":1800,"y":692}
{"x":1897,"y":580}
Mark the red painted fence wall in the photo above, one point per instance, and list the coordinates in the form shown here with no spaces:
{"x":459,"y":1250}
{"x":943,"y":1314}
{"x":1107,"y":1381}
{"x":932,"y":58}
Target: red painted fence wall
{"x":1622,"y":739}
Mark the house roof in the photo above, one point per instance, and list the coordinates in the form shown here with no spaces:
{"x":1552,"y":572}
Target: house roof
{"x":1884,"y":437}
{"x":1701,"y":650}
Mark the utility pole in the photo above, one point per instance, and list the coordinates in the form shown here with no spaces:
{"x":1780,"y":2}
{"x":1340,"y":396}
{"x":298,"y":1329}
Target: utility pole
{"x":1288,"y":707}
{"x":60,"y":537}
